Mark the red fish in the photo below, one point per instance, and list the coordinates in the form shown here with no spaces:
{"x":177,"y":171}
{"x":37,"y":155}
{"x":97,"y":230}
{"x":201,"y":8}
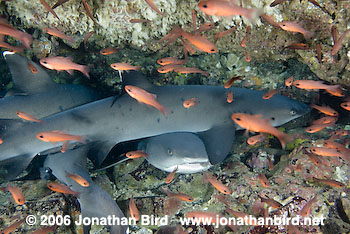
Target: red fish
{"x":256,"y":123}
{"x":154,"y":7}
{"x":325,"y":120}
{"x":289,"y":81}
{"x":58,"y":136}
{"x":79,"y":179}
{"x":307,"y":207}
{"x":325,"y":110}
{"x":47,"y":6}
{"x":190,"y":102}
{"x":134,"y":212}
{"x":171,"y":176}
{"x":330,"y":182}
{"x":263,"y":180}
{"x":318,"y":127}
{"x":25,"y":38}
{"x":136,"y":154}
{"x":256,"y":139}
{"x":143,"y":96}
{"x":16,"y":193}
{"x":322,"y":151}
{"x":316,"y":85}
{"x":216,"y":183}
{"x":28,"y":117}
{"x":298,"y":46}
{"x":247,"y":57}
{"x":170,"y":60}
{"x":108,"y":51}
{"x":345,"y":105}
{"x":337,"y":45}
{"x":58,"y":33}
{"x":88,"y":11}
{"x":135,"y":21}
{"x":186,"y":70}
{"x":271,"y":202}
{"x":270,"y":94}
{"x":230,"y":82}
{"x":228,"y":8}
{"x":88,"y":35}
{"x":181,"y":196}
{"x":229,"y":96}
{"x":64,"y":64}
{"x":124,"y":67}
{"x":270,"y":20}
{"x":277,"y":2}
{"x":296,"y":27}
{"x":61,"y":188}
{"x":12,"y":227}
{"x":32,"y":68}
{"x":223,"y":33}
{"x":319,"y":52}
{"x":167,"y":68}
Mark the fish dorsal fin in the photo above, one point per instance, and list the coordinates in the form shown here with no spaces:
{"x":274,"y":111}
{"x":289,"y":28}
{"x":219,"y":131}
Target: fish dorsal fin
{"x":136,"y":79}
{"x":218,"y":142}
{"x":22,"y":77}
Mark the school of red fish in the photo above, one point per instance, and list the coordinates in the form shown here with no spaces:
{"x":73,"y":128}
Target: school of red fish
{"x":337,"y":145}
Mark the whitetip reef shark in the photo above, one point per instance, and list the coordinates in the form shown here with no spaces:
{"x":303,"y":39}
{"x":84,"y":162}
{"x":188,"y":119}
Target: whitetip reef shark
{"x":106,"y":122}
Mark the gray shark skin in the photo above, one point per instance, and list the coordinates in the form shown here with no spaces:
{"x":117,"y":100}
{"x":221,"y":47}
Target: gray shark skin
{"x":94,"y":202}
{"x":109,"y":121}
{"x":182,"y":150}
{"x":37,"y":94}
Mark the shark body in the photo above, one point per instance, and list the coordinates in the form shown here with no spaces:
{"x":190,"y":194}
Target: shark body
{"x":109,"y":121}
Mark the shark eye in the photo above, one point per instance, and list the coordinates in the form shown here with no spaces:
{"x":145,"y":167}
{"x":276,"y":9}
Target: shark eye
{"x":273,"y":118}
{"x":170,"y":152}
{"x":293,"y":112}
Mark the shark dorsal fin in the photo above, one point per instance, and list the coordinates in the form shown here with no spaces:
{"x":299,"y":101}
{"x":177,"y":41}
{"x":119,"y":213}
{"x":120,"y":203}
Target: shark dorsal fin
{"x":136,"y":79}
{"x":23,"y":78}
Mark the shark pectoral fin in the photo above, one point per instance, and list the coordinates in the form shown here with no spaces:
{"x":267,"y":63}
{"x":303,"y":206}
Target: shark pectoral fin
{"x":15,"y":92}
{"x":15,"y":166}
{"x":218,"y":142}
{"x":9,"y":124}
{"x":99,"y":150}
{"x":136,"y":79}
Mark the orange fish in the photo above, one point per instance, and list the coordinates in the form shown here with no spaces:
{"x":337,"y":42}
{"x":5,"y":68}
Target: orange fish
{"x":205,"y":27}
{"x":135,"y":21}
{"x":170,"y":60}
{"x":79,"y":179}
{"x":270,"y":93}
{"x":190,"y":102}
{"x":270,"y":20}
{"x":25,"y":38}
{"x":58,"y":136}
{"x":199,"y":41}
{"x":194,"y":19}
{"x":204,"y":216}
{"x":289,"y":81}
{"x":134,"y":212}
{"x":32,"y":68}
{"x":256,"y":139}
{"x":124,"y":67}
{"x":325,"y":120}
{"x":45,"y":230}
{"x":167,"y":68}
{"x":314,"y":158}
{"x":28,"y":117}
{"x":58,"y":33}
{"x":229,"y":96}
{"x":15,"y":49}
{"x":136,"y":154}
{"x":330,"y":182}
{"x":88,"y":35}
{"x":143,"y":96}
{"x":108,"y":51}
{"x":277,"y":2}
{"x":307,"y":207}
{"x":64,"y":64}
{"x":223,"y":33}
{"x":335,"y":145}
{"x":88,"y":11}
{"x":316,"y":85}
{"x":247,"y":57}
{"x":318,"y":127}
{"x":345,"y":105}
{"x":325,"y":110}
{"x":256,"y":123}
{"x":270,"y":163}
{"x":16,"y":194}
{"x":1,"y":141}
{"x":171,"y":176}
{"x":59,"y":3}
{"x":263,"y":180}
{"x":61,"y":188}
{"x":323,"y":151}
{"x":230,"y":82}
{"x":228,"y":8}
{"x":245,"y":38}
{"x":271,"y":202}
{"x":296,"y":27}
{"x":298,"y":46}
{"x":186,"y":70}
{"x":47,"y":6}
{"x":216,"y":183}
{"x":319,"y":52}
{"x":154,"y":7}
{"x":337,"y":45}
{"x":12,"y":227}
{"x":181,"y":196}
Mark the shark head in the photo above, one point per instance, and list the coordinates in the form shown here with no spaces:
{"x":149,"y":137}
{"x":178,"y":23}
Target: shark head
{"x":185,"y":151}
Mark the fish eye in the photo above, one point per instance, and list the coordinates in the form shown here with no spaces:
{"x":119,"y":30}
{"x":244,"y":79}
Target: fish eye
{"x":297,"y":84}
{"x":205,"y":6}
{"x":44,"y":62}
{"x":283,"y":25}
{"x":170,"y":152}
{"x":313,"y":150}
{"x":41,"y":136}
{"x":238,"y":119}
{"x":293,"y":112}
{"x":213,"y":50}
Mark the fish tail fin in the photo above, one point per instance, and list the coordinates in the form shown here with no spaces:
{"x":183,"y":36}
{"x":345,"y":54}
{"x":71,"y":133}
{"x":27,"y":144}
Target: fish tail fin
{"x":85,"y":70}
{"x":137,"y":68}
{"x":284,"y":139}
{"x":335,"y":90}
{"x":254,"y":14}
{"x":309,"y":34}
{"x":166,"y":191}
{"x":26,"y":40}
{"x":163,"y":110}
